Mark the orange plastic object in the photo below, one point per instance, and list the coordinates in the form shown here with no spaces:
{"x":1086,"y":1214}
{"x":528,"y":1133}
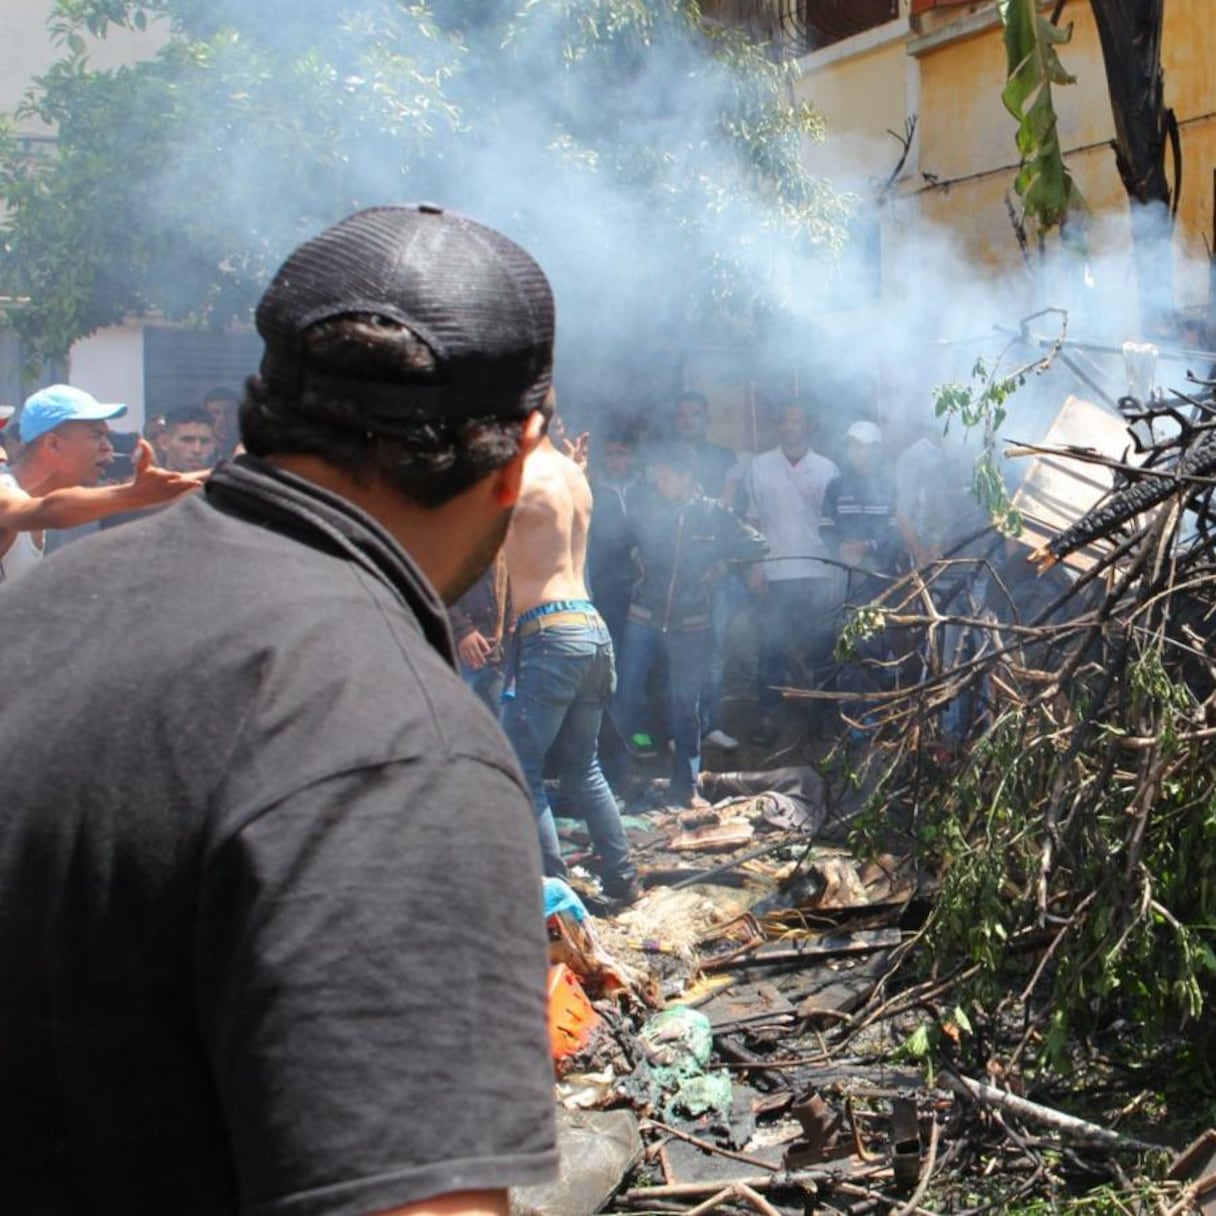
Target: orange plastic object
{"x":571,"y":1017}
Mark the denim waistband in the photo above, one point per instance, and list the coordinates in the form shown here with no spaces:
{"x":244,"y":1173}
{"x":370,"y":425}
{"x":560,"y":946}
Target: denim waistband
{"x":552,"y":606}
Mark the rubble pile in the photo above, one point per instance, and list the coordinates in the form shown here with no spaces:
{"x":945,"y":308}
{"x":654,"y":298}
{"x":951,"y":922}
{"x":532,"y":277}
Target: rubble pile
{"x":1044,"y":738}
{"x":753,"y":1040}
{"x":962,"y":964}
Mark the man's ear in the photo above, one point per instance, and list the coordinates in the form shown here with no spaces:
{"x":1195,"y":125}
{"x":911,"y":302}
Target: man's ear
{"x":509,"y":478}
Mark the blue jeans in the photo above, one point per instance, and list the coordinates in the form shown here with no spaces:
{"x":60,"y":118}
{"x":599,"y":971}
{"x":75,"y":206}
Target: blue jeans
{"x":612,"y":603}
{"x":727,"y":598}
{"x":487,"y":682}
{"x":688,"y":653}
{"x":564,"y":679}
{"x":798,"y":626}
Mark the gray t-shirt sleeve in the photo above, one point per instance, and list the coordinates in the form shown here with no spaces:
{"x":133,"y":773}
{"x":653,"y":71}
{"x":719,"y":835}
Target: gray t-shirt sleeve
{"x":372,"y":956}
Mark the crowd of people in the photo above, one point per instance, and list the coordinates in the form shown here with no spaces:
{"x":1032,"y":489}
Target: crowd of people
{"x":637,"y":564}
{"x":270,"y":876}
{"x":696,"y":552}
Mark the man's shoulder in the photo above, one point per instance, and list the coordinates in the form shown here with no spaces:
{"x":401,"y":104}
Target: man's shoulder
{"x":713,"y":510}
{"x":766,"y":462}
{"x":719,"y":454}
{"x":919,"y":454}
{"x":549,"y":475}
{"x":547,"y":461}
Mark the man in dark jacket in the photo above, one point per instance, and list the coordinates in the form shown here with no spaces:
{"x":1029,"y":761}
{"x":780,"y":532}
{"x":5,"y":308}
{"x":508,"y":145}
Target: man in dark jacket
{"x":273,"y":937}
{"x":617,"y":490}
{"x":712,"y":462}
{"x":681,"y":539}
{"x":859,"y":527}
{"x":858,"y":524}
{"x":480,"y":620}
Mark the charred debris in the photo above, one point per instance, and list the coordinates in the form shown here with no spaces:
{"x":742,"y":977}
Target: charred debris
{"x":958,"y":955}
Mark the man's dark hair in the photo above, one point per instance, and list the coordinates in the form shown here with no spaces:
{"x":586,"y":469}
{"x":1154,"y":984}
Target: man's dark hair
{"x":621,"y":428}
{"x":803,"y":407}
{"x":698,"y":398}
{"x":192,"y":415}
{"x":679,"y":457}
{"x":427,"y":458}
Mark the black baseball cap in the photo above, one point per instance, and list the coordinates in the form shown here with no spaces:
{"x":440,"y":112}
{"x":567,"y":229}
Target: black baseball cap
{"x":479,"y":301}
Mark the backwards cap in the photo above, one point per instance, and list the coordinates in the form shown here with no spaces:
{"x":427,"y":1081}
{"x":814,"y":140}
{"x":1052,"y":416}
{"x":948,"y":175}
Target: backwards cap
{"x":479,"y":301}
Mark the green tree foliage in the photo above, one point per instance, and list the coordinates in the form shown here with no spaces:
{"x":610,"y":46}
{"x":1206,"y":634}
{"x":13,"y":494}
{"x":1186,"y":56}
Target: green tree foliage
{"x":603,"y":133}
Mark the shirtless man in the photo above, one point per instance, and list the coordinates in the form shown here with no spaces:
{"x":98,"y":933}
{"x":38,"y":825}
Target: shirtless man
{"x":65,"y":448}
{"x":564,"y":673}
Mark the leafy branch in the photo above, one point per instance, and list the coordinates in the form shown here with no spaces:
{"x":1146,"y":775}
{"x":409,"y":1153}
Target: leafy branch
{"x":982,"y":404}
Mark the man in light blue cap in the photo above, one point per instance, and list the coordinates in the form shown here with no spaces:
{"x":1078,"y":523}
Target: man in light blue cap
{"x":51,"y":407}
{"x":53,"y":481}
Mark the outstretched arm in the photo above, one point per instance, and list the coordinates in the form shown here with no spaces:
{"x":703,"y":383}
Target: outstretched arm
{"x":737,"y":541}
{"x":151,"y":487}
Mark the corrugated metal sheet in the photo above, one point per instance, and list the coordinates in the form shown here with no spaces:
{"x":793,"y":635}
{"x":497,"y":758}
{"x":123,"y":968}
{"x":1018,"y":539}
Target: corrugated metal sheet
{"x":11,"y":385}
{"x":181,"y":365}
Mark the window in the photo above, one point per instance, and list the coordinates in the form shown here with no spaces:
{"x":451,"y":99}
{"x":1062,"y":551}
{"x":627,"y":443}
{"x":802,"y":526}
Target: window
{"x":923,"y":6}
{"x":799,"y":26}
{"x":810,"y":25}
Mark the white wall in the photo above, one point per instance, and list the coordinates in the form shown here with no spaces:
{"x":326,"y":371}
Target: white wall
{"x":26,"y":51}
{"x":110,"y":365}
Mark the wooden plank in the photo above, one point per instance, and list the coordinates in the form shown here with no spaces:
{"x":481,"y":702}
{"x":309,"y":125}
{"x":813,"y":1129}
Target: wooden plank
{"x":828,"y":945}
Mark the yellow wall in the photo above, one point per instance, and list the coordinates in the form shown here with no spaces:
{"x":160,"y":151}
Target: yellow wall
{"x":965,"y":159}
{"x":872,"y":85}
{"x":1190,"y":87}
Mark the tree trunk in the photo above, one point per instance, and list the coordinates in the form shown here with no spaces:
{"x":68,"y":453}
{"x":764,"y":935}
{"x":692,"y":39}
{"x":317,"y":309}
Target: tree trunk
{"x":1130,"y":32}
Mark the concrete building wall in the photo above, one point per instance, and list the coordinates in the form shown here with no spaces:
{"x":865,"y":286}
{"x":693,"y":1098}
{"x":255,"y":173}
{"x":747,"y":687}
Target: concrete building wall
{"x":861,"y":87}
{"x":110,"y":364}
{"x":947,"y":66}
{"x":28,"y":49}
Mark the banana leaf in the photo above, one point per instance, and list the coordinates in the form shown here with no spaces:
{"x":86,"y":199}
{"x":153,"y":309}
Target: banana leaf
{"x":1044,"y":182}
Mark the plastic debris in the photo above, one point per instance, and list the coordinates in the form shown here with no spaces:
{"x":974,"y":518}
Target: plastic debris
{"x":597,"y":1148}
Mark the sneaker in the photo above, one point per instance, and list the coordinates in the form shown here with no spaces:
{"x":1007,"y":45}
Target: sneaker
{"x":720,"y":739}
{"x":621,"y":892}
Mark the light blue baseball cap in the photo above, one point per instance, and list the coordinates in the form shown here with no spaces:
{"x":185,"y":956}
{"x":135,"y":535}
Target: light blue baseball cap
{"x":60,"y":403}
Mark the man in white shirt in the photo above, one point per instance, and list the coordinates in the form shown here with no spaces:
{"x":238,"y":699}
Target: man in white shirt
{"x":798,"y":592}
{"x":65,"y":448}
